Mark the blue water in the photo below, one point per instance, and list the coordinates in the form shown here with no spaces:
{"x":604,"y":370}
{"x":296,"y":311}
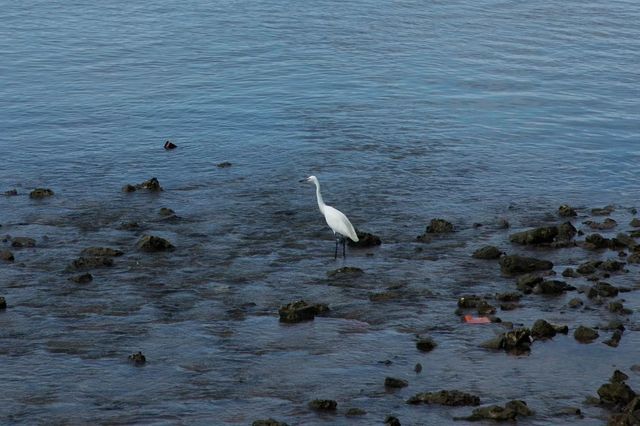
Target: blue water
{"x":405,"y":110}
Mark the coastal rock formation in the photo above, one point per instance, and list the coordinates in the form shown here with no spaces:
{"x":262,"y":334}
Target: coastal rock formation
{"x":445,"y":397}
{"x":301,"y":311}
{"x":151,"y":243}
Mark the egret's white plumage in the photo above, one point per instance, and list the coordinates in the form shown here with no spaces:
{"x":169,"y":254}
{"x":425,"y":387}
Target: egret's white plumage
{"x":336,"y":220}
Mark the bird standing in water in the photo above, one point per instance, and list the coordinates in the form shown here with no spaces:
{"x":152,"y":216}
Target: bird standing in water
{"x":337,"y":221}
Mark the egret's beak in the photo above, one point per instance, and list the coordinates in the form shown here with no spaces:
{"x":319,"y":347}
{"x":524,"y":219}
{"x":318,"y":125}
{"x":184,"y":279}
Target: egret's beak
{"x":302,"y":180}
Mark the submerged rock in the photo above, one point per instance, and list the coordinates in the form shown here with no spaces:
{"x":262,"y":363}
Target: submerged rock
{"x":567,"y":211}
{"x":392,"y":421}
{"x":497,"y":413}
{"x":552,"y":287}
{"x":152,"y":185}
{"x":11,"y":193}
{"x":618,"y":308}
{"x":101,"y":251}
{"x":615,"y":338}
{"x":22,"y":242}
{"x":445,"y":397}
{"x":137,"y":358}
{"x":323,"y":405}
{"x":487,"y":252}
{"x":575,"y":303}
{"x":40,"y":193}
{"x":392,"y":382}
{"x":224,"y":165}
{"x":602,"y":289}
{"x":570,"y":273}
{"x":604,"y":211}
{"x":150,"y":243}
{"x":426,"y":344}
{"x":90,"y":262}
{"x":3,"y":303}
{"x":597,"y":242}
{"x":165,"y":211}
{"x":585,"y":334}
{"x":514,"y":264}
{"x":6,"y":255}
{"x":602,"y":226}
{"x":352,"y":412}
{"x":515,"y":341}
{"x":301,"y":311}
{"x":82,"y":278}
{"x":542,"y":235}
{"x":439,"y":226}
{"x":635,"y":223}
{"x":365,"y":240}
{"x":268,"y":422}
{"x":346,"y":271}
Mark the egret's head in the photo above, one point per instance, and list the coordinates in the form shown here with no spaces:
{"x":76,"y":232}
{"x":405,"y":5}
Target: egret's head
{"x":311,"y":179}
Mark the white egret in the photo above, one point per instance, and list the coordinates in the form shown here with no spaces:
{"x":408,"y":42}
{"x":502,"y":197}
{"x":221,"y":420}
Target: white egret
{"x":336,"y":220}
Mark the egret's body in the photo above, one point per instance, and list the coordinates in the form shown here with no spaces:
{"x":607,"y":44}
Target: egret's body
{"x":337,"y":221}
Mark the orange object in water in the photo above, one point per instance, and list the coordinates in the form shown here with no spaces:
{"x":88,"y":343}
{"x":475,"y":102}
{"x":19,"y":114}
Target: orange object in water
{"x":476,"y":320}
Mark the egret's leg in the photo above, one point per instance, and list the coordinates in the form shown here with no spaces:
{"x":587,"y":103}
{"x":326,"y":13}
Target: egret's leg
{"x":344,"y":250}
{"x":335,"y":256}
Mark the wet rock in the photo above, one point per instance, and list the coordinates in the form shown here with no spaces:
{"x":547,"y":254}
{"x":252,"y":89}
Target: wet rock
{"x":417,"y":368}
{"x":323,"y":405}
{"x":514,"y":264}
{"x":566,"y":231}
{"x":509,"y":306}
{"x":385,"y":296}
{"x":353,"y":412}
{"x":392,"y":382}
{"x":11,"y":193}
{"x":469,"y":301}
{"x":527,"y":282}
{"x":611,"y":265}
{"x":614,"y":324}
{"x":365,"y":240}
{"x":82,"y":278}
{"x":426,"y":344}
{"x":508,"y":297}
{"x":503,"y":223}
{"x":268,"y":422}
{"x":487,"y":252}
{"x":497,"y":413}
{"x":101,"y":251}
{"x":602,"y":226}
{"x":570,"y":273}
{"x":40,"y":193}
{"x":152,"y":185}
{"x":634,"y":234}
{"x":137,"y":358}
{"x":150,"y":243}
{"x":575,"y":303}
{"x":618,"y":308}
{"x":129,"y":226}
{"x":589,"y":267}
{"x":21,"y":242}
{"x":392,"y":421}
{"x":445,"y":397}
{"x":542,"y":235}
{"x":626,"y":240}
{"x":634,"y":258}
{"x":585,"y":334}
{"x":614,"y":340}
{"x":542,"y":330}
{"x":618,"y":377}
{"x":552,"y":287}
{"x":485,"y":308}
{"x":224,"y":165}
{"x":439,"y":226}
{"x":169,"y":145}
{"x":604,"y":211}
{"x":602,"y":289}
{"x":630,"y":415}
{"x":3,"y":303}
{"x":567,"y":211}
{"x":597,"y":242}
{"x":90,"y":262}
{"x":515,"y":341}
{"x":616,"y":393}
{"x":301,"y":311}
{"x":635,"y":223}
{"x":6,"y":255}
{"x":346,"y":271}
{"x":165,"y":211}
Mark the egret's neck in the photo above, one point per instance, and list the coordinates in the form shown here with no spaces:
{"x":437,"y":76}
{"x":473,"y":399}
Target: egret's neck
{"x":319,"y":197}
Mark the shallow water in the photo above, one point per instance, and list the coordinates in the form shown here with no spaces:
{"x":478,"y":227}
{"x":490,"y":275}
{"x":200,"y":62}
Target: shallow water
{"x":406,"y":111}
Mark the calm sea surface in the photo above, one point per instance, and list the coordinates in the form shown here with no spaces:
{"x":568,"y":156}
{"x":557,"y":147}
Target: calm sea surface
{"x":405,"y":110}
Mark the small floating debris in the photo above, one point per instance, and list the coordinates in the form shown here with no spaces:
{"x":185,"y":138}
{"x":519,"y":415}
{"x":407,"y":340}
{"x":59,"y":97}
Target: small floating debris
{"x":169,"y":145}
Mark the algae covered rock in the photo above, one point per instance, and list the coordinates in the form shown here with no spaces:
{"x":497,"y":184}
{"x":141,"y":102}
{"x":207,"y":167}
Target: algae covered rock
{"x":365,"y":240}
{"x":487,"y":253}
{"x":514,"y":264}
{"x":151,"y":243}
{"x":40,"y":193}
{"x":301,"y":311}
{"x":542,"y":235}
{"x":323,"y":405}
{"x":585,"y":334}
{"x":445,"y":397}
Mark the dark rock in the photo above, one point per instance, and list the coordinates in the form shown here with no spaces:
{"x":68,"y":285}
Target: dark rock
{"x":137,"y":358}
{"x":503,"y":223}
{"x":129,"y":226}
{"x":585,"y":334}
{"x":128,"y":188}
{"x":625,"y":240}
{"x":353,"y":412}
{"x":439,"y":226}
{"x":3,"y":303}
{"x":469,"y":301}
{"x":618,"y":377}
{"x":567,"y":211}
{"x":82,"y":278}
{"x":487,"y":252}
{"x":385,"y":296}
{"x":509,"y":306}
{"x":604,"y":211}
{"x":417,"y":368}
{"x":301,"y":311}
{"x":426,"y":344}
{"x":543,"y":235}
{"x":542,"y":330}
{"x":11,"y":193}
{"x":515,"y":341}
{"x":614,"y":340}
{"x":635,"y":223}
{"x":6,"y":255}
{"x":90,"y":262}
{"x":634,"y":258}
{"x":445,"y":397}
{"x":151,"y":185}
{"x":509,"y":412}
{"x":392,"y":421}
{"x":570,"y":273}
{"x":101,"y":251}
{"x":365,"y":240}
{"x":575,"y":303}
{"x":630,"y":415}
{"x":323,"y":405}
{"x":527,"y":282}
{"x":392,"y":382}
{"x":602,"y":289}
{"x":611,"y":265}
{"x":508,"y":297}
{"x":606,"y":225}
{"x":346,"y":271}
{"x":20,"y":242}
{"x":224,"y":165}
{"x":616,"y":394}
{"x":40,"y":193}
{"x":170,"y":145}
{"x":485,"y":308}
{"x":635,"y":234}
{"x":513,"y":264}
{"x":597,"y":241}
{"x":618,"y":308}
{"x":150,"y":243}
{"x":614,"y":324}
{"x":589,"y":267}
{"x":552,"y":287}
{"x":268,"y":422}
{"x":566,"y":231}
{"x":165,"y":211}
